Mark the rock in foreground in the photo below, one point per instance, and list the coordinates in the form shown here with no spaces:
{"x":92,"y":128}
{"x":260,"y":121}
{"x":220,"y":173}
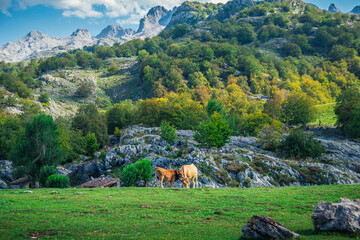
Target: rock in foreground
{"x":260,"y":227}
{"x":342,"y":216}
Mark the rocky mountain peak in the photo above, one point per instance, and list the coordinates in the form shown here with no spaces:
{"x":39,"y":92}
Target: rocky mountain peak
{"x":333,"y":8}
{"x":356,"y":10}
{"x":114,"y":31}
{"x":156,"y":17}
{"x":81,"y":32}
{"x":35,"y":35}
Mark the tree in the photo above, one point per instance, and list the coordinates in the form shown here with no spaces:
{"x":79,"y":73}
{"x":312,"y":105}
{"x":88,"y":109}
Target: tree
{"x":89,"y":120}
{"x":120,"y":115}
{"x":91,"y":144}
{"x":214,"y":132}
{"x":85,"y":90}
{"x":44,"y":97}
{"x":144,"y":170}
{"x":129,"y":175}
{"x":214,"y":106}
{"x":299,"y":109}
{"x":38,"y":146}
{"x":167,"y":132}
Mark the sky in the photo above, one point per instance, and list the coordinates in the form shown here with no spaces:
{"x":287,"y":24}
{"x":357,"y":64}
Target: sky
{"x":60,"y":18}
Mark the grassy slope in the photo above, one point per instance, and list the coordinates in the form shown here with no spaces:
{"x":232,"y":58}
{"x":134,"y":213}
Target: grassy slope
{"x":173,"y":213}
{"x":327,"y":114}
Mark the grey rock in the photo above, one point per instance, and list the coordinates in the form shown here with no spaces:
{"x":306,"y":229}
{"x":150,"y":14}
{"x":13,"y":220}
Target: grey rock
{"x":334,"y":9}
{"x":62,"y":171}
{"x":3,"y":185}
{"x":6,"y":170}
{"x":356,"y":10}
{"x":260,"y":227}
{"x":342,"y":216}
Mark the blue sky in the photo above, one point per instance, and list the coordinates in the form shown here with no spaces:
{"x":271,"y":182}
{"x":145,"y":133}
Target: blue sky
{"x":59,"y":18}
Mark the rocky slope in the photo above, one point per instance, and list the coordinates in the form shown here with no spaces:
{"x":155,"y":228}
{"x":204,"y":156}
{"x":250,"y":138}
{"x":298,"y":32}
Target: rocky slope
{"x":240,"y":163}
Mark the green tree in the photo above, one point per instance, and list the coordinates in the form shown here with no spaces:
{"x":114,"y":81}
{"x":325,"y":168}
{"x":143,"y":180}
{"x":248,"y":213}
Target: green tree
{"x":167,"y":132}
{"x":299,"y":109}
{"x":91,"y":144}
{"x":214,"y":132}
{"x":121,"y":115}
{"x":129,"y":175}
{"x":144,"y":170}
{"x":39,"y":145}
{"x":214,"y":106}
{"x":85,"y":90}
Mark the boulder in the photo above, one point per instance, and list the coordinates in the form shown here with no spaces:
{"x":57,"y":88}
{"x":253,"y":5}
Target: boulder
{"x":6,"y":170}
{"x":3,"y":185}
{"x":342,"y":216}
{"x":260,"y":227}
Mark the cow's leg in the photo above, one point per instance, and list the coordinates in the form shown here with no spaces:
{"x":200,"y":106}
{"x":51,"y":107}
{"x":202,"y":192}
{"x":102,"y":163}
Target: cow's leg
{"x":172,"y":183}
{"x":162,"y":182}
{"x":197,"y":181}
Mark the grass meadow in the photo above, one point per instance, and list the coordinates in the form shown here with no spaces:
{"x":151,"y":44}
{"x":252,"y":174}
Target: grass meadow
{"x":155,"y":213}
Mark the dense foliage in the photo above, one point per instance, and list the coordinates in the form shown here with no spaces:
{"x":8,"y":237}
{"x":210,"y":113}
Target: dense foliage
{"x":299,"y":145}
{"x":167,"y":132}
{"x":58,"y":181}
{"x":141,"y":170}
{"x":45,"y":172}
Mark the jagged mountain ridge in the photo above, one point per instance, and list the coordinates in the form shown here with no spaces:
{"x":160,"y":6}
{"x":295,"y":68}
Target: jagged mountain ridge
{"x":39,"y":45}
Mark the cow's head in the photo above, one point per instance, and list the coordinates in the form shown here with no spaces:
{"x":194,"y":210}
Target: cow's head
{"x":180,"y":174}
{"x":186,"y":182}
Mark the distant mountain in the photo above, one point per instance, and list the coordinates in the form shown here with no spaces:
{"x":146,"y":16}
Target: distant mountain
{"x":115,"y":31}
{"x":356,"y":10}
{"x":334,"y":9}
{"x":35,"y":44}
{"x":39,"y":45}
{"x":154,"y":21}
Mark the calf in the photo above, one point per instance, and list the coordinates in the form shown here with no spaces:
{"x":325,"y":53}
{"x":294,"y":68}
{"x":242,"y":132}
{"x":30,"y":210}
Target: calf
{"x":164,"y":175}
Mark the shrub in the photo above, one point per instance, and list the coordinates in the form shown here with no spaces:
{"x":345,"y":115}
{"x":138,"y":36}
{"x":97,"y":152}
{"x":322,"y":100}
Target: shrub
{"x":299,"y":145}
{"x":85,"y":90}
{"x":214,"y":132}
{"x":167,"y":132}
{"x":144,"y":170}
{"x":299,"y":109}
{"x":58,"y":181}
{"x":255,"y":122}
{"x":129,"y":175}
{"x":117,"y":132}
{"x":45,"y":172}
{"x":44,"y":97}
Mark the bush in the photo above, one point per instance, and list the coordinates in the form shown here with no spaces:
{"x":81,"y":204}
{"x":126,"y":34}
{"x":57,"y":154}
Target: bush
{"x":85,"y":90}
{"x":129,"y":175}
{"x":299,"y":145}
{"x":167,"y":132}
{"x":45,"y":172}
{"x":58,"y":181}
{"x":299,"y":109}
{"x":255,"y":122}
{"x":117,"y":132}
{"x":144,"y":170}
{"x":214,"y":132}
{"x":44,"y":97}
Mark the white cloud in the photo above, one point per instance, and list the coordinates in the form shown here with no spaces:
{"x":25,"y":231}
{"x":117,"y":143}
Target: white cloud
{"x":4,"y":6}
{"x":128,"y":9}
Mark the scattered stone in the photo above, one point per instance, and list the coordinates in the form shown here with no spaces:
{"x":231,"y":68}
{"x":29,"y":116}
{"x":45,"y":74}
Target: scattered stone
{"x":342,"y":216}
{"x":54,"y":192}
{"x":260,"y":227}
{"x":218,"y":213}
{"x":28,"y":191}
{"x":80,"y":193}
{"x":145,"y":206}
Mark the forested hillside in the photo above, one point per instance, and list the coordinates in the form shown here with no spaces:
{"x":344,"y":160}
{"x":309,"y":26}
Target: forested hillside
{"x":262,"y":66}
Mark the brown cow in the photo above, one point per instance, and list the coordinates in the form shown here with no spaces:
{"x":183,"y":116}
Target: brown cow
{"x":190,"y":172}
{"x":163,"y":174}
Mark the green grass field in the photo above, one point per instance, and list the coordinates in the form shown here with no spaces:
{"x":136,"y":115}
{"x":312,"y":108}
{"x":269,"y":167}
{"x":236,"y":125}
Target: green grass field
{"x":154,"y":213}
{"x":326,"y":113}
